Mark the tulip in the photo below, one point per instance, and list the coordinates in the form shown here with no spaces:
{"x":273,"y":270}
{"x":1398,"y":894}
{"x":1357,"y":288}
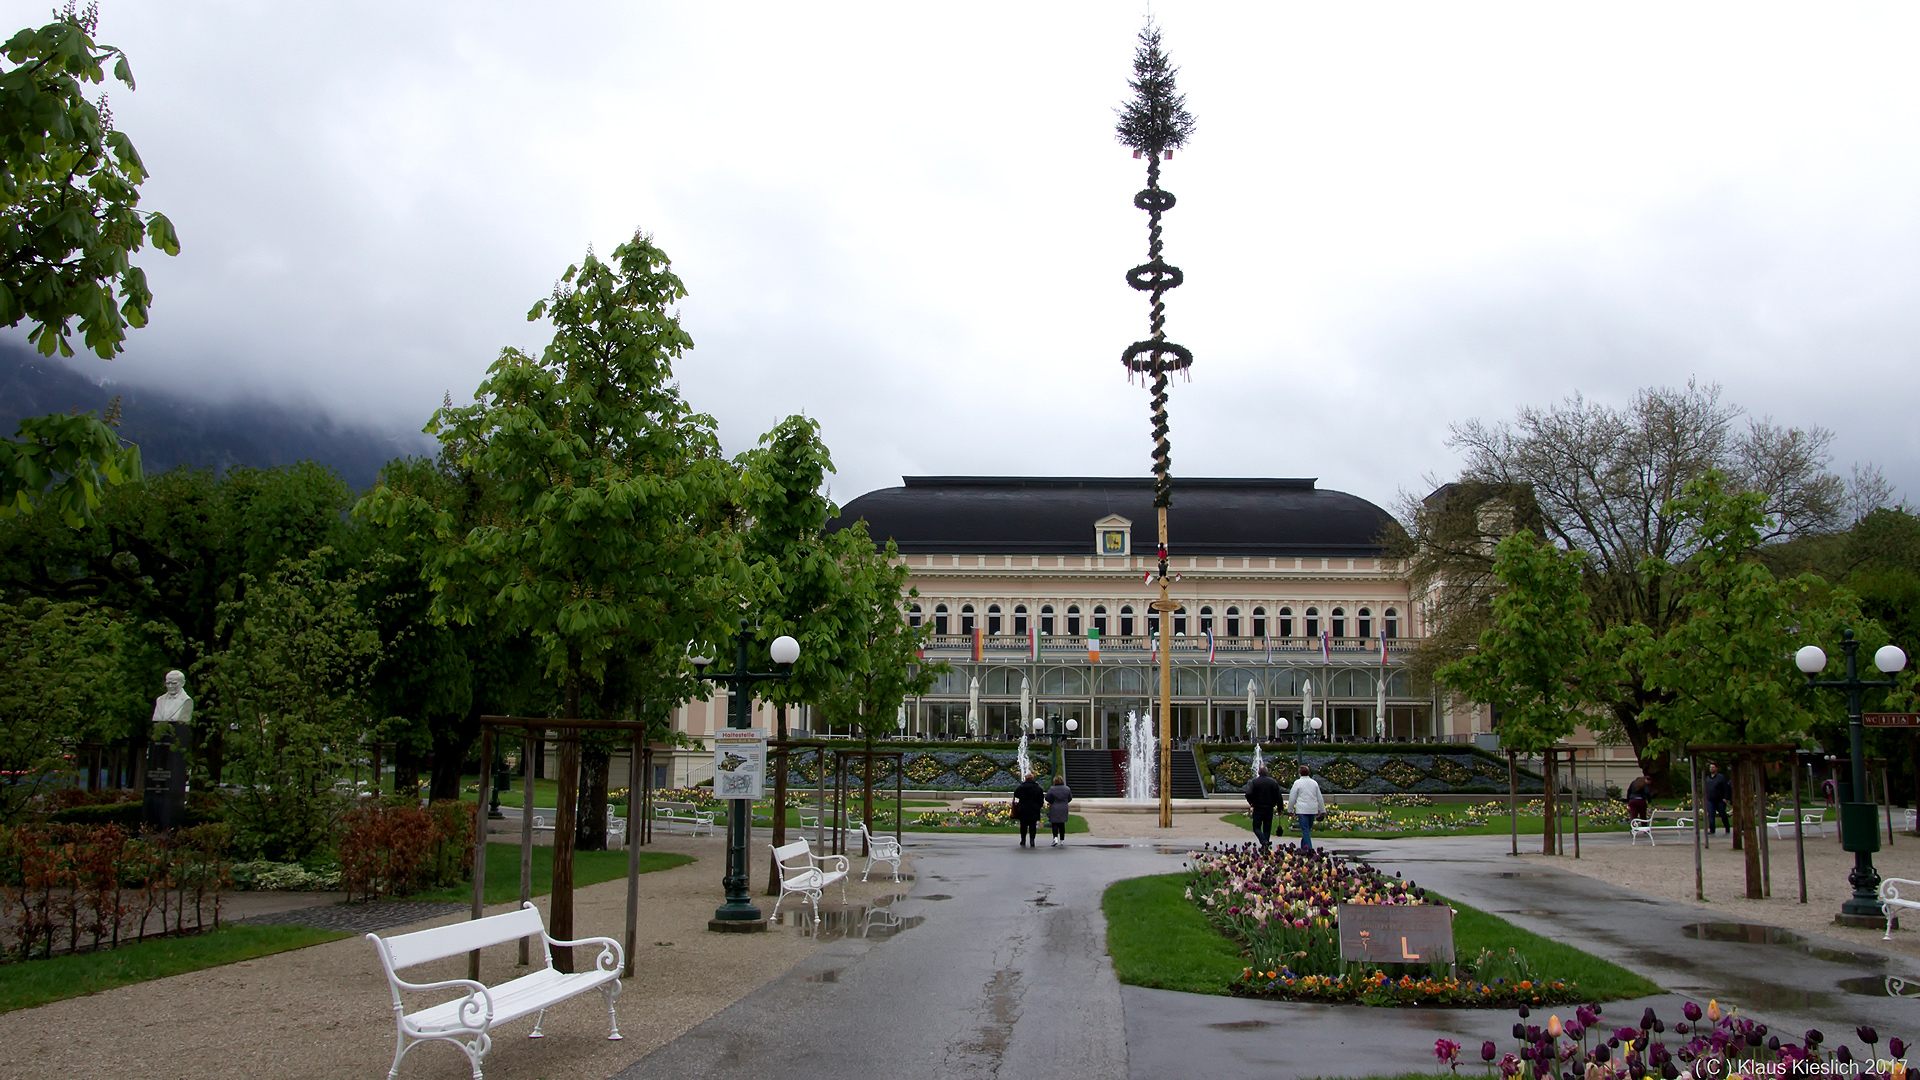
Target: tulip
{"x":1713,"y":1010}
{"x":1519,"y":1031}
{"x":1773,"y":1044}
{"x":1647,"y":1018}
{"x":1896,"y":1047}
{"x":1488,"y":1050}
{"x":1524,"y":1012}
{"x":1867,"y":1034}
{"x":1691,"y":1010}
{"x":1843,"y":1055}
{"x":1814,"y":1038}
{"x":1553,"y":1026}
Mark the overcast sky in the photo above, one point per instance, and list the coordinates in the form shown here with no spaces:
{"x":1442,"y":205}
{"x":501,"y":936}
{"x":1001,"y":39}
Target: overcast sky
{"x":913,"y":221}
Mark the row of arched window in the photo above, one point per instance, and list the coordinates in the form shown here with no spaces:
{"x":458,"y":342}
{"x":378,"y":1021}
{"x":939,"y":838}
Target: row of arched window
{"x":1141,"y":681}
{"x":1125,"y":622}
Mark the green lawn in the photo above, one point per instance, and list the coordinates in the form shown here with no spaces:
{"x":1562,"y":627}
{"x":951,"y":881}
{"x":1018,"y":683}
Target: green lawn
{"x":589,"y":868}
{"x":37,"y":982}
{"x":1158,"y":938}
{"x":1412,"y":814}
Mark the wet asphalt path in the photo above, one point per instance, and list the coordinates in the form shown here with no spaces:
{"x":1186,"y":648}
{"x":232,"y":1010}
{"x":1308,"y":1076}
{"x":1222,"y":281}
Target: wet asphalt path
{"x":1004,"y":974}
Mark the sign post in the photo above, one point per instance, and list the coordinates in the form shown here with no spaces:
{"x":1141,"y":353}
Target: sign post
{"x":739,"y":763}
{"x":1890,"y":719}
{"x":1396,"y":933}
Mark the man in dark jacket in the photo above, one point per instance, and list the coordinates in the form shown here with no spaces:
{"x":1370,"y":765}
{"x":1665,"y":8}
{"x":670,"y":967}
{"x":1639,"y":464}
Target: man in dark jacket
{"x":1027,"y":800}
{"x":1719,"y":793}
{"x":1263,"y":798}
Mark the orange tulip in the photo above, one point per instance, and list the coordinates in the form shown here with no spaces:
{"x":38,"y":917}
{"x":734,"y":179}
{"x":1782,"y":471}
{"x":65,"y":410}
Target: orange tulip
{"x":1713,"y":1010}
{"x":1553,"y":1026}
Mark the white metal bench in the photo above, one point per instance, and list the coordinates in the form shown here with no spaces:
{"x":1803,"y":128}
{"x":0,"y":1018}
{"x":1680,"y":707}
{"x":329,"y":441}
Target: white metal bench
{"x":1812,"y":822}
{"x":1660,"y":821}
{"x":1890,"y":899}
{"x":671,"y":814}
{"x":807,"y":874}
{"x":616,"y":829}
{"x":467,"y":1021}
{"x":880,"y":849}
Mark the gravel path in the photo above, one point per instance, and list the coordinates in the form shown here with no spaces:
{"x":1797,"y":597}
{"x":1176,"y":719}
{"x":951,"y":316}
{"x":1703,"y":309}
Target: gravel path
{"x":324,"y":1011}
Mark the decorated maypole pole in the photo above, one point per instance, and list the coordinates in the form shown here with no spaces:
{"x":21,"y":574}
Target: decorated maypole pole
{"x":1155,"y":123}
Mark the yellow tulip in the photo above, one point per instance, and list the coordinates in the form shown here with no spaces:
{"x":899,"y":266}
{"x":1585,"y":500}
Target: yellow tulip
{"x":1713,"y":1010}
{"x":1553,"y":1026}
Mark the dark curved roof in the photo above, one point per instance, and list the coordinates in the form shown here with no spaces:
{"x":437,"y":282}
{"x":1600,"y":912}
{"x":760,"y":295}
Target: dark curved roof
{"x":1054,"y":515}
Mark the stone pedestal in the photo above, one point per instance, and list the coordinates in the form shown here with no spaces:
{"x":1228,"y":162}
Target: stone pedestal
{"x":737,"y":926}
{"x":164,"y":800}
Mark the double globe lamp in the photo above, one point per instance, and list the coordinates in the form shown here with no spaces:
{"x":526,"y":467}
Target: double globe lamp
{"x":1311,"y":723}
{"x":1859,"y":830}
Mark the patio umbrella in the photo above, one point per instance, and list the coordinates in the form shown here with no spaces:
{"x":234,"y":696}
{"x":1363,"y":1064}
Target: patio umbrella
{"x":1380,"y":706}
{"x":1306,"y":699}
{"x":973,"y":706}
{"x":1253,"y":725}
{"x":1026,"y":703}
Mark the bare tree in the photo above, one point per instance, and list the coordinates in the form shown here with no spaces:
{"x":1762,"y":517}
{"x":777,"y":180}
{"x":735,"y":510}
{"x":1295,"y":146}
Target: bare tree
{"x":1601,"y":480}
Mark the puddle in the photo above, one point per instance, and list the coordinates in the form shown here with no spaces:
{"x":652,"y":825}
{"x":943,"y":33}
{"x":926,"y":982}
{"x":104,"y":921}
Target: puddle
{"x":1762,"y":934}
{"x":876,"y":921}
{"x":1519,"y":874}
{"x":1525,"y":911}
{"x":832,"y":976}
{"x":1878,"y":986}
{"x":1107,"y":845}
{"x":1041,"y":901}
{"x":936,"y":896}
{"x":1242,"y":1025}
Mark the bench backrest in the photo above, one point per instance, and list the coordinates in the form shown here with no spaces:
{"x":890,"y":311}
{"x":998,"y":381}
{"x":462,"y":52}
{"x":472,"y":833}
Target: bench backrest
{"x":406,"y":950}
{"x":797,"y":849}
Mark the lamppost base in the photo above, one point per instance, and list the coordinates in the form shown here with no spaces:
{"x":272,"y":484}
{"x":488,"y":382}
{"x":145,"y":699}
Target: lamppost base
{"x":1864,"y":922}
{"x":737,"y":926}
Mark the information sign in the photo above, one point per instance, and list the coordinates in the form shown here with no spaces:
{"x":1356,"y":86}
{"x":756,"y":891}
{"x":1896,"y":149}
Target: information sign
{"x":1890,"y":719}
{"x":739,"y":763}
{"x":1396,"y":933}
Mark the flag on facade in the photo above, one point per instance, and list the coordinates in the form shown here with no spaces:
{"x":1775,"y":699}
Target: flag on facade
{"x":1269,"y":641}
{"x":1033,"y":643}
{"x":1156,"y":648}
{"x":1149,"y":578}
{"x":1209,"y":646}
{"x":979,"y":644}
{"x":1383,"y":649}
{"x":1326,"y":648}
{"x":1093,"y":646}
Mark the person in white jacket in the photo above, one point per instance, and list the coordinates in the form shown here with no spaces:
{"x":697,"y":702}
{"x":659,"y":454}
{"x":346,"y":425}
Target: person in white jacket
{"x":1305,"y":803}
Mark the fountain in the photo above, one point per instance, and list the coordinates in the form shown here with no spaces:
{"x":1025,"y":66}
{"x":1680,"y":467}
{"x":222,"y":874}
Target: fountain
{"x":1026,"y":763}
{"x":1259,"y":760}
{"x":1140,"y":759}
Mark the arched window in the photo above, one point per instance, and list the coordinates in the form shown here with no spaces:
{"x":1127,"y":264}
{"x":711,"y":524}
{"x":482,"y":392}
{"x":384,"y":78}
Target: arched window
{"x":1073,"y":620}
{"x":966,"y":619}
{"x":1259,"y":622}
{"x":940,"y":619}
{"x":1313,"y":622}
{"x":1390,"y":626}
{"x":1180,"y":622}
{"x":1286,"y":623}
{"x":1100,"y":619}
{"x":1064,"y":682}
{"x":1339,"y":622}
{"x":1366,"y":622}
{"x":913,"y":616}
{"x":993,"y":620}
{"x":1189,"y":682}
{"x":1206,"y":620}
{"x":1002,"y":682}
{"x":1233,"y":683}
{"x":1352,"y":683}
{"x":1233,"y":622}
{"x":1020,"y":619}
{"x":1125,"y":680}
{"x":1126,"y":621}
{"x":1046,"y":619}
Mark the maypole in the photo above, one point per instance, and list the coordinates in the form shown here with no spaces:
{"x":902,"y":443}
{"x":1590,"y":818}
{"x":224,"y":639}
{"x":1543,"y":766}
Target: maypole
{"x":1155,"y":123}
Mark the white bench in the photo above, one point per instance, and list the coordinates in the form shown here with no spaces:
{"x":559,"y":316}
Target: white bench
{"x":803,"y":872}
{"x":880,"y":849}
{"x":1812,"y":822}
{"x":1890,"y":899}
{"x":616,"y":829}
{"x":1660,"y":821}
{"x":467,"y":1021}
{"x":671,"y":814}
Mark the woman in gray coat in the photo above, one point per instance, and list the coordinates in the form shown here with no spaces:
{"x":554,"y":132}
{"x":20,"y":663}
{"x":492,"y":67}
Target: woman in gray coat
{"x":1058,"y":796}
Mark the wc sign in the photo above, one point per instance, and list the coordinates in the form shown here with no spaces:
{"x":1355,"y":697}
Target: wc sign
{"x":1396,"y":933}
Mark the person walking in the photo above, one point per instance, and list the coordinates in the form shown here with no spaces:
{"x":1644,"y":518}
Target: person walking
{"x":1305,"y":803}
{"x":1637,"y":793}
{"x":1026,"y":810}
{"x":1719,"y":793}
{"x":1058,"y":796}
{"x":1263,"y":798}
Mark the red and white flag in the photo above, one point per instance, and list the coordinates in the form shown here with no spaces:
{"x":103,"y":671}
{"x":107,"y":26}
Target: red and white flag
{"x":1326,"y":647}
{"x":1383,"y":648}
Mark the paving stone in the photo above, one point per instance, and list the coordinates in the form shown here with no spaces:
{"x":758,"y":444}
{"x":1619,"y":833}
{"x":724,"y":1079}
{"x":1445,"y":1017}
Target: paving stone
{"x":358,"y":918}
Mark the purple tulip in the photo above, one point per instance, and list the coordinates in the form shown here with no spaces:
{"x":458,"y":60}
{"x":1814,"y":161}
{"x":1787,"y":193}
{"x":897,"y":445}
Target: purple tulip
{"x":1647,"y":1018}
{"x":1525,"y":1012}
{"x":1773,"y":1044}
{"x":1814,"y":1038}
{"x":1669,"y":1072}
{"x":1844,"y":1055}
{"x":1602,"y":1054}
{"x":1692,"y":1011}
{"x":1867,"y":1034}
{"x":1896,"y":1047}
{"x":1519,"y":1031}
{"x":1681,"y":1027}
{"x":1488,"y":1050}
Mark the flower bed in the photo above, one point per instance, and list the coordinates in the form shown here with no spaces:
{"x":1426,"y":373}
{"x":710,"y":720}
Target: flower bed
{"x":997,"y":815}
{"x":979,"y":767}
{"x":1478,"y":815}
{"x":1282,"y":908}
{"x":1368,"y":769}
{"x":1725,"y":1045}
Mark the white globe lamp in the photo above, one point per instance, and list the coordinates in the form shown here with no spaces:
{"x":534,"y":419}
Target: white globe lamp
{"x":785,"y":650}
{"x":1811,"y":659}
{"x":1890,"y":658}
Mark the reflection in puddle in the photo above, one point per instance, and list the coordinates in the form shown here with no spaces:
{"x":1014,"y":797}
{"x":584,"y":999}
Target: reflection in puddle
{"x":1880,"y":986}
{"x":1762,"y":934}
{"x":877,"y":920}
{"x":832,"y":976}
{"x":1517,"y":873}
{"x":1241,"y":1025}
{"x":936,"y":896}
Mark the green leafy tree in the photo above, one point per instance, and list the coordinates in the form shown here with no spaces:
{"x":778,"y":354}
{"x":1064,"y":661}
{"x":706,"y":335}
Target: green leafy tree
{"x":292,"y":687}
{"x":58,"y":676}
{"x":1537,"y":663}
{"x":69,"y":225}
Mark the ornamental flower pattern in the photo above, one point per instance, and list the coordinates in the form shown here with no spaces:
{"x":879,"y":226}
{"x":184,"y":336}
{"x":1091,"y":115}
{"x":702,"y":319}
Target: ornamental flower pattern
{"x":1375,"y":770}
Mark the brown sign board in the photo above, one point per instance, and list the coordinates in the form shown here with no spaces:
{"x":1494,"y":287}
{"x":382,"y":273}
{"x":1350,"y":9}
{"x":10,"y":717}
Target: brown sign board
{"x":1890,"y":719}
{"x":1396,"y":933}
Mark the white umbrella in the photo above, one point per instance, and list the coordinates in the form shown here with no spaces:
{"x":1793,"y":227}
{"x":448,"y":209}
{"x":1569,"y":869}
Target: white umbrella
{"x":1253,"y":724}
{"x":1306,"y":698}
{"x":1026,"y":701}
{"x":973,"y":706}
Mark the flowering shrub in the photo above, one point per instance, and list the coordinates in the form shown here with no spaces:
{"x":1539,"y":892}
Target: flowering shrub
{"x":1403,"y":799}
{"x":701,"y":798}
{"x":92,"y":886}
{"x":1725,"y":1046}
{"x":398,"y":847}
{"x":264,"y":876}
{"x":995,"y":814}
{"x":1338,"y":819}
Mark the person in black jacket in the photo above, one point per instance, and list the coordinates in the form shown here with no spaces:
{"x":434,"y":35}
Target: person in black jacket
{"x":1263,"y":798}
{"x":1719,"y":793}
{"x":1027,"y":799}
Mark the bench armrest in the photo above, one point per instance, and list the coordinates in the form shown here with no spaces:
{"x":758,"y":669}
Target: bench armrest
{"x":823,"y":860}
{"x":610,"y":950}
{"x":478,"y":999}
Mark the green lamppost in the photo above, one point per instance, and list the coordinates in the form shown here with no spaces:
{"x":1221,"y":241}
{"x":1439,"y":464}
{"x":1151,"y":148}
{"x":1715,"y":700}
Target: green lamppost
{"x":1300,"y":730}
{"x":1859,"y":825}
{"x":1057,"y":730}
{"x":739,"y":908}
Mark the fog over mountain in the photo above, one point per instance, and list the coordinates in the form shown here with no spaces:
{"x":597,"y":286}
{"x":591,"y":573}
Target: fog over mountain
{"x":178,"y":429}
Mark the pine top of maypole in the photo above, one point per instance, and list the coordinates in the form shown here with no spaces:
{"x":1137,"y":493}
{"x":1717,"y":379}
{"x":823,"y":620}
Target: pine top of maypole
{"x":1156,"y":120}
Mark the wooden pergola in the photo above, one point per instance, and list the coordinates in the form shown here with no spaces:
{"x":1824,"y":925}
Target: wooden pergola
{"x":843,"y":756}
{"x":639,"y":793}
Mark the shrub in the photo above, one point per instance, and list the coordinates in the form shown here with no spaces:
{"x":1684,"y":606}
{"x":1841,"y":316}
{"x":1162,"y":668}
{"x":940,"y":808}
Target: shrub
{"x":263,"y":876}
{"x":398,"y":847}
{"x":62,"y":883}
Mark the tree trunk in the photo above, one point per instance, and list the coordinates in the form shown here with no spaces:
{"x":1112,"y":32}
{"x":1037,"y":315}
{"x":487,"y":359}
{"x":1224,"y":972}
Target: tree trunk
{"x":449,"y":761}
{"x":590,"y":826}
{"x":560,"y":902}
{"x":406,"y":770}
{"x":866,"y":796}
{"x":1549,"y":816}
{"x":1747,"y":788}
{"x":213,"y":752}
